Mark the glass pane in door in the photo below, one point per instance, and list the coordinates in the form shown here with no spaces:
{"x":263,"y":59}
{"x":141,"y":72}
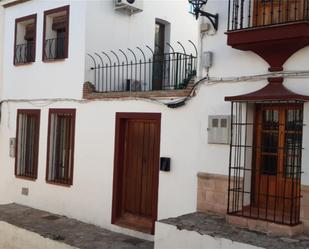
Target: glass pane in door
{"x":293,"y":143}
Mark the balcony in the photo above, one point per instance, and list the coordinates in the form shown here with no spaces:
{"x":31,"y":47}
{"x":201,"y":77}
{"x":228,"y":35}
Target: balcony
{"x":273,"y":29}
{"x":24,"y":53}
{"x":55,"y":49}
{"x":159,"y":74}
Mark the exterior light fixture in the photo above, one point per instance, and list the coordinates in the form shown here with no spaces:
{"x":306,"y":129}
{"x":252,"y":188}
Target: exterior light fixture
{"x":197,"y":6}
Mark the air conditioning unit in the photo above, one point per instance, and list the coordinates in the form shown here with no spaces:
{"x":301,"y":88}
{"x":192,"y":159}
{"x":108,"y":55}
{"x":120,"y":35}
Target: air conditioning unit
{"x":130,"y":6}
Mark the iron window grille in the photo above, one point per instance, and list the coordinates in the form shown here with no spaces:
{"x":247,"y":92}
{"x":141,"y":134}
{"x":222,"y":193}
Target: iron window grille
{"x":27,"y":143}
{"x":260,"y":13}
{"x":56,"y":33}
{"x":265,"y":161}
{"x":60,"y":147}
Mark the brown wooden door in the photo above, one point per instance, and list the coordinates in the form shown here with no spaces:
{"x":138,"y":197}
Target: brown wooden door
{"x":137,"y":198}
{"x":266,"y":12}
{"x":278,"y":155}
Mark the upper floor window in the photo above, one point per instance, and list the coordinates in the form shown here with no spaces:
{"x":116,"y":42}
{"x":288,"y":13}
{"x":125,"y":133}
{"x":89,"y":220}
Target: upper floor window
{"x":25,"y":39}
{"x":27,"y":143}
{"x":56,"y":33}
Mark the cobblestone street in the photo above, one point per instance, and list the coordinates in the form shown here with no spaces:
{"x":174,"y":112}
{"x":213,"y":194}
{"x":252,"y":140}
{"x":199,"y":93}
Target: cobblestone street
{"x":68,"y":231}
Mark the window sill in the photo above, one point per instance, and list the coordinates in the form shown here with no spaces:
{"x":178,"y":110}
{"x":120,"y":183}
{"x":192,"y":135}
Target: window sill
{"x":23,"y":64}
{"x":68,"y":185}
{"x":33,"y":179}
{"x":54,"y":60}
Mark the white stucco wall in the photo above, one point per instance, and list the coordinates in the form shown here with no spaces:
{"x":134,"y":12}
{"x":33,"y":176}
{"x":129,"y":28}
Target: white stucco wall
{"x":94,"y":149}
{"x":58,"y":79}
{"x":3,"y":185}
{"x":230,"y":63}
{"x":108,"y":29}
{"x":97,"y":27}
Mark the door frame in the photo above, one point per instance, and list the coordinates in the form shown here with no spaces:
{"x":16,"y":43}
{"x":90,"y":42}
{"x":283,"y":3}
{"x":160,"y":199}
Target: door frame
{"x":121,"y":118}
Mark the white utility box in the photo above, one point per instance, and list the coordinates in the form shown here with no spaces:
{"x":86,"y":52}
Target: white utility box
{"x":219,"y":129}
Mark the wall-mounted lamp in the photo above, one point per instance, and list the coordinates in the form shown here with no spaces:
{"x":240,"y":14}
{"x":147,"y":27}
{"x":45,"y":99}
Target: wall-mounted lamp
{"x":197,"y":6}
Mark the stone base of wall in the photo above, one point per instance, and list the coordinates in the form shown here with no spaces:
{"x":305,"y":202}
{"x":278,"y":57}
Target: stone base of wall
{"x":212,"y":195}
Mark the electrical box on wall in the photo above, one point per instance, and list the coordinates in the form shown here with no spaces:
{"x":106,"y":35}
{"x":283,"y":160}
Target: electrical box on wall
{"x":219,"y":129}
{"x":207,"y":59}
{"x":12,"y":147}
{"x":130,"y":6}
{"x":165,"y":164}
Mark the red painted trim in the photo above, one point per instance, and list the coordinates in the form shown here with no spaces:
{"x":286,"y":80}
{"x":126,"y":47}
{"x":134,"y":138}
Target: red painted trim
{"x":37,"y":114}
{"x":121,"y":117}
{"x":138,"y":115}
{"x":274,"y":91}
{"x":66,"y":48}
{"x":61,"y":111}
{"x":59,"y":184}
{"x":275,"y":44}
{"x":10,"y":4}
{"x":22,"y":19}
{"x":25,"y":178}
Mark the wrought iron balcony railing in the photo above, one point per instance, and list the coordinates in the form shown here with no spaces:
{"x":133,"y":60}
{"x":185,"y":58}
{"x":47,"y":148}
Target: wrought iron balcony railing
{"x":169,"y":71}
{"x":54,"y":48}
{"x":24,"y":53}
{"x":257,"y":13}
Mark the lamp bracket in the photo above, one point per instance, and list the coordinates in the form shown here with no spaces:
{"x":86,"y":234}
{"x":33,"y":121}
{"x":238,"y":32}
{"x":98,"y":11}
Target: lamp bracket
{"x":197,"y":8}
{"x":214,"y":19}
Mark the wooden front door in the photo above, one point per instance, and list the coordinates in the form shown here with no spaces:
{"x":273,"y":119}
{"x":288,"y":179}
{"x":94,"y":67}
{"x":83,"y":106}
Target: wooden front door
{"x":137,"y":168}
{"x":266,"y":12}
{"x":278,"y":158}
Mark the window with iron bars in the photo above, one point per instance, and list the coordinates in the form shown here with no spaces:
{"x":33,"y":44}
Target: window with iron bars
{"x":60,"y":149}
{"x":25,"y":40}
{"x":265,"y":161}
{"x":56,"y":33}
{"x":27,"y":143}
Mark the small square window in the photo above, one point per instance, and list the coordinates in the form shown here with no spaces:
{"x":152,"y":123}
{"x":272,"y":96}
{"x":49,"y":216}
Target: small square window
{"x":215,"y":123}
{"x":25,"y":40}
{"x":60,"y":148}
{"x":56,"y":33}
{"x":223,"y":123}
{"x":27,"y":143}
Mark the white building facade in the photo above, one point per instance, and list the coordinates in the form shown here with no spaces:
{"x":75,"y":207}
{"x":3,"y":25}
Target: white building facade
{"x":52,"y":82}
{"x":88,"y":141}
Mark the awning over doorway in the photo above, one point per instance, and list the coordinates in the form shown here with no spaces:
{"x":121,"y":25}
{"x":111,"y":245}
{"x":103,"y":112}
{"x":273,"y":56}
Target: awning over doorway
{"x":274,"y":91}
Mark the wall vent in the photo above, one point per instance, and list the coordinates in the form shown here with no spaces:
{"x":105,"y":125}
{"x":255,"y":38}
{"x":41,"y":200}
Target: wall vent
{"x":25,"y":191}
